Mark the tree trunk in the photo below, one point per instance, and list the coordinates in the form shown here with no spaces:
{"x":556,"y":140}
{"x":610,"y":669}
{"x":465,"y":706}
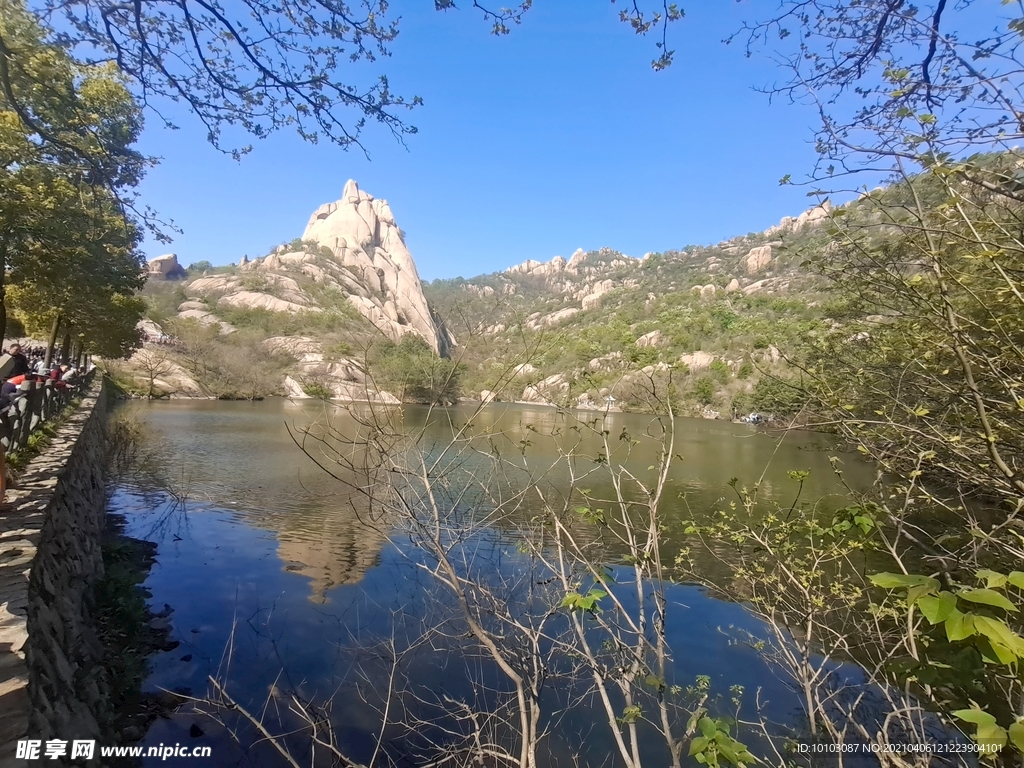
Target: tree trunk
{"x":51,"y":343}
{"x":65,"y":347}
{"x":3,"y":288}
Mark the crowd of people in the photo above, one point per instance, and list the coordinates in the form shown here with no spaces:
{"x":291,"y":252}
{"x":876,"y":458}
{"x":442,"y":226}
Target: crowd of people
{"x":18,"y":367}
{"x":34,"y":352}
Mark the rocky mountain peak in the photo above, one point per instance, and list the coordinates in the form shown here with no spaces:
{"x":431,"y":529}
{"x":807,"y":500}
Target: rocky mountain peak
{"x":166,"y":267}
{"x":362,"y":234}
{"x":351,"y":247}
{"x":811,"y":217}
{"x":578,"y":257}
{"x":578,"y":265}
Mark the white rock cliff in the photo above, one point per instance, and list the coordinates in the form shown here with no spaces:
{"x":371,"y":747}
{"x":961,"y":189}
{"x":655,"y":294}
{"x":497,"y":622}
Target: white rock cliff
{"x":353,"y":248}
{"x":362,"y":234}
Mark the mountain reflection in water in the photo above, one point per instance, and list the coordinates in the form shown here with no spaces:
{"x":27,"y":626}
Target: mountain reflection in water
{"x":270,"y":550}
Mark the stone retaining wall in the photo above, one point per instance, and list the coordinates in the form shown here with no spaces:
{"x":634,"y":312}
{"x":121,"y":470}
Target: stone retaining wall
{"x":51,"y":678}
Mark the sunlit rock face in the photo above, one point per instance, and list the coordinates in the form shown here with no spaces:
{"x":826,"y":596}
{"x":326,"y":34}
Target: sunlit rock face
{"x":809,"y":218}
{"x":352,"y":248}
{"x":166,"y":267}
{"x":362,"y":234}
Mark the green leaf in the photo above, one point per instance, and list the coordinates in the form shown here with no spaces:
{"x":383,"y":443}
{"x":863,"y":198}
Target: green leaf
{"x":1016,"y":734}
{"x":998,"y":632}
{"x":1003,"y":655}
{"x":992,"y":579}
{"x":728,"y":753}
{"x":631,"y":714}
{"x":987,"y":597}
{"x":975,"y":716}
{"x":654,"y":681}
{"x":707,"y":727}
{"x":902,"y":581}
{"x":937,"y":609}
{"x":991,"y":738}
{"x":864,"y":522}
{"x":959,"y":626}
{"x":917,"y":592}
{"x":1017,"y":579}
{"x":699,"y":744}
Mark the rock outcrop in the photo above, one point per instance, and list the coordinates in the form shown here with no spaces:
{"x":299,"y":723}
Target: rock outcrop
{"x":204,"y":316}
{"x":259,"y":300}
{"x":166,"y":267}
{"x":757,"y":259}
{"x":338,"y":389}
{"x":551,"y":390}
{"x":612,"y":360}
{"x":580,"y":264}
{"x":652,"y":339}
{"x":339,"y":378}
{"x":593,"y":296}
{"x":361,"y":233}
{"x":755,"y":287}
{"x":351,"y":251}
{"x":147,"y":327}
{"x":810,"y":217}
{"x":554,"y":318}
{"x":697,"y":361}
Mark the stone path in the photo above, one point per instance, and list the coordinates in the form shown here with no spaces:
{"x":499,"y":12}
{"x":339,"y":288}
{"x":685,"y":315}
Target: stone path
{"x":20,"y":529}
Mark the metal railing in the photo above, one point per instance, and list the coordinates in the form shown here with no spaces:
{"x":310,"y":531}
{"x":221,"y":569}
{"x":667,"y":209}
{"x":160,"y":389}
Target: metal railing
{"x":33,"y":405}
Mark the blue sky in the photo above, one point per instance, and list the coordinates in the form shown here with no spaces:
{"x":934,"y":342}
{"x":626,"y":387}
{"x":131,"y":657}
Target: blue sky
{"x":556,"y":137}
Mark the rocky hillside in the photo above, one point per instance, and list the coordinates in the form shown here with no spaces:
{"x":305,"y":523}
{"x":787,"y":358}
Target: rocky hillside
{"x":601,"y":327}
{"x":312,"y":307}
{"x":351,"y":250}
{"x":341,"y":312}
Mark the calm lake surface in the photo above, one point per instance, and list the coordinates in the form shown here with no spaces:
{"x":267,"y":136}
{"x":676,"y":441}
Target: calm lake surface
{"x":281,"y":581}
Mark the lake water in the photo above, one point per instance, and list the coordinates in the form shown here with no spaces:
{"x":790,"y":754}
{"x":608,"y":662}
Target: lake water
{"x":291,"y":588}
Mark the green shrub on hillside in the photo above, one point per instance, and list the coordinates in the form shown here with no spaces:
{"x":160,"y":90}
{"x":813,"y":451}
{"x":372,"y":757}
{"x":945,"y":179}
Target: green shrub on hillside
{"x":778,"y":396}
{"x":413,"y":373}
{"x":704,"y":390}
{"x":317,"y":390}
{"x":162,"y":299}
{"x":719,"y":371}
